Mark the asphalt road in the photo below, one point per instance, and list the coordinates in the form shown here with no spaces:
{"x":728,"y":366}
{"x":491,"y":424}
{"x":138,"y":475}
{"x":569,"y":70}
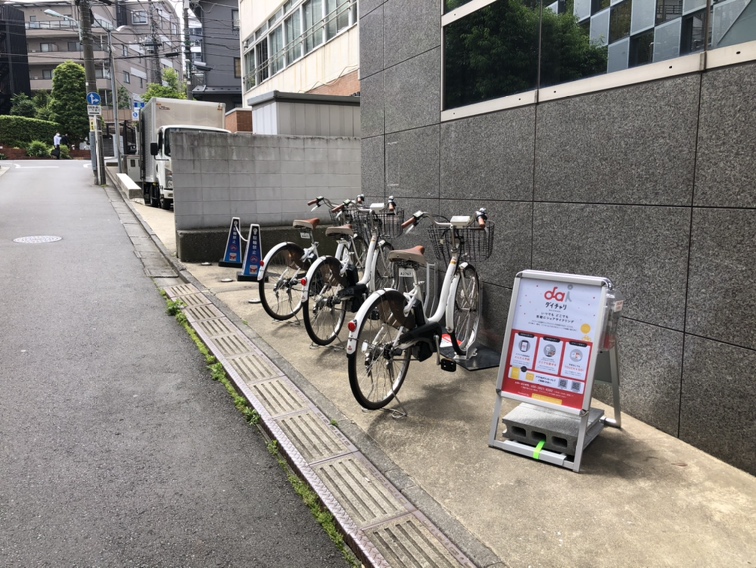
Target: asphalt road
{"x":116,"y":447}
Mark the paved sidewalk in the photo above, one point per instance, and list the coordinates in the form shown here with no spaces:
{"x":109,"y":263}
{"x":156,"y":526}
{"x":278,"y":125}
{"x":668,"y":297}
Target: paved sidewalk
{"x":642,"y":498}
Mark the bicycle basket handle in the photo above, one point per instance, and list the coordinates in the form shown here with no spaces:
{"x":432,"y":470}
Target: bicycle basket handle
{"x":482,"y":216}
{"x":316,"y":202}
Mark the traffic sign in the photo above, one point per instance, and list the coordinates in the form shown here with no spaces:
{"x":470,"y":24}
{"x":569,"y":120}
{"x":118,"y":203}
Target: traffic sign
{"x":93,"y":99}
{"x":94,"y":110}
{"x":135,"y":115}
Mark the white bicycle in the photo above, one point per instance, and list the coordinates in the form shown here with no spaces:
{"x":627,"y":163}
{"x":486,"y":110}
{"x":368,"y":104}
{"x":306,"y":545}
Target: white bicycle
{"x":333,"y":284}
{"x":391,"y":327}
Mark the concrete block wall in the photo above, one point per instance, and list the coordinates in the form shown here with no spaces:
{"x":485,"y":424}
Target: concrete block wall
{"x":261,"y":179}
{"x":651,"y":185}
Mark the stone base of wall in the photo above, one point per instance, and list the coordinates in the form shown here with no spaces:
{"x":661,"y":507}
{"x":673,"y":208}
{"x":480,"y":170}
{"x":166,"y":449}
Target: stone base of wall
{"x":209,"y":245}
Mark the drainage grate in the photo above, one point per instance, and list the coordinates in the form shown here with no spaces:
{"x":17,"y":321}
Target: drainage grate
{"x":37,"y":239}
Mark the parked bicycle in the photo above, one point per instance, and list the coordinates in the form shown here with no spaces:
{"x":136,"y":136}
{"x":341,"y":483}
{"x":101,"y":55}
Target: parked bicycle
{"x":391,"y":327}
{"x":283,"y":268}
{"x":334,"y":285}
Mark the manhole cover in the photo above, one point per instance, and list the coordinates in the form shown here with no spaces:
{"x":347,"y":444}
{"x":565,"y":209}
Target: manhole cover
{"x":38,"y":239}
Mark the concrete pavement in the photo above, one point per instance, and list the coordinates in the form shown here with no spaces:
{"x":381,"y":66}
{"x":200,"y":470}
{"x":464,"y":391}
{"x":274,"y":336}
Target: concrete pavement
{"x":642,"y":498}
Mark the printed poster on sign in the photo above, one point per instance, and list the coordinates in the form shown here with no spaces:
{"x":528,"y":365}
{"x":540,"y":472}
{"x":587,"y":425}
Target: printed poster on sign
{"x":555,"y":328}
{"x":252,"y":258}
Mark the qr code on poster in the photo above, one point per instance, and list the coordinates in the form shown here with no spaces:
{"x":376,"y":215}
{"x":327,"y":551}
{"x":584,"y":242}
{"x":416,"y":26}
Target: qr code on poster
{"x":562,"y":383}
{"x":575,"y":386}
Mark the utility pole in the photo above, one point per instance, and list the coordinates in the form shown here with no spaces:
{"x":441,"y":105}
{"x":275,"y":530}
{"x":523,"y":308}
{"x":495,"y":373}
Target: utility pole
{"x":157,"y":75}
{"x":85,"y":20}
{"x":187,"y":51}
{"x":117,"y":133}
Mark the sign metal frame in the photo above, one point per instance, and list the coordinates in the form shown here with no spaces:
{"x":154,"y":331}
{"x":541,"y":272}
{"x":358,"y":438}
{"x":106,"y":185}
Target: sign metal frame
{"x":527,"y":318}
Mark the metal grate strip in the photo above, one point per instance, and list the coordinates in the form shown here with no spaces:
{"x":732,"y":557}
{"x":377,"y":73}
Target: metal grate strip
{"x":315,"y":440}
{"x":231,"y":345}
{"x":360,"y":491}
{"x":197,"y":313}
{"x":181,"y":290}
{"x":408,"y":543}
{"x":194,"y":300}
{"x":214,"y":327}
{"x":277,"y":397}
{"x":254,"y":369}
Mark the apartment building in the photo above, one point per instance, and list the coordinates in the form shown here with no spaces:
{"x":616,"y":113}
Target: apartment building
{"x":145,"y":37}
{"x":300,"y":46}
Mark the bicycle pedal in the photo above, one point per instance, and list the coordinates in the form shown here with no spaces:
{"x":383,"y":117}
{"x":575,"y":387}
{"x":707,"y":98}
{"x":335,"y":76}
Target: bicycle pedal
{"x":448,"y":365}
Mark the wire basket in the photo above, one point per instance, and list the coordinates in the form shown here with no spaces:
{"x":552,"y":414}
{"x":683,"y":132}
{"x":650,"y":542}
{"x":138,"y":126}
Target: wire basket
{"x":360,"y":222}
{"x":475,"y":244}
{"x":388,"y":225}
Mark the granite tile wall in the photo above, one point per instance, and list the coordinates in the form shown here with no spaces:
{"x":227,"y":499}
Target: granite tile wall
{"x":651,"y":185}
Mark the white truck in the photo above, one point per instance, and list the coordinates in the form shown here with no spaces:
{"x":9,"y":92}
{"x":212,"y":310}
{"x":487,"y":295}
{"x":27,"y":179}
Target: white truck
{"x":159,"y":120}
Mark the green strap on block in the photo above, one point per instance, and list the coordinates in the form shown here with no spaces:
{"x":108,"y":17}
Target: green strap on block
{"x":537,"y":451}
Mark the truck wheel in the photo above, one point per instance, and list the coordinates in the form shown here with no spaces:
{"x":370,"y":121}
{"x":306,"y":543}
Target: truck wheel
{"x":155,"y":196}
{"x":165,"y":203}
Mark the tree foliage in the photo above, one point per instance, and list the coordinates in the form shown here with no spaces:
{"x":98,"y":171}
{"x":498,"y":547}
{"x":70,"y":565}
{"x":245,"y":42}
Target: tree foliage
{"x":69,"y":103}
{"x":124,"y":97}
{"x":19,"y":131}
{"x":169,"y":90}
{"x":22,"y":105}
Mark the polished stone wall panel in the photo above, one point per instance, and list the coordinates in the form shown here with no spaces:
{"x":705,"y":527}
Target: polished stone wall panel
{"x":371,"y":105}
{"x":722,"y":282}
{"x":371,"y":43}
{"x":367,"y":6}
{"x":726,"y":140}
{"x":650,"y":360}
{"x":643,"y":250}
{"x":718,"y":414}
{"x":488,"y":157}
{"x":412,"y":169}
{"x":373,"y":180}
{"x":411,"y":28}
{"x":413,"y":92}
{"x":630,"y":145}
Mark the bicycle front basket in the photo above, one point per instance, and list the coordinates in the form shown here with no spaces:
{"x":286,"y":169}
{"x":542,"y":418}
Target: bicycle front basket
{"x":475,"y":244}
{"x":389,"y":225}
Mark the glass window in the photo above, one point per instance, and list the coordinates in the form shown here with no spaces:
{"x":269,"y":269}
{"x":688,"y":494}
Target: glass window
{"x":125,"y":50}
{"x":234,"y":19}
{"x":138,"y":17}
{"x":491,"y":53}
{"x":312,"y":11}
{"x":126,"y":77}
{"x":262,"y":60}
{"x":47,"y":47}
{"x":74,"y":46}
{"x":47,"y":73}
{"x":293,"y":25}
{"x":237,"y":67}
{"x":337,"y":17}
{"x":277,"y":50}
{"x":450,"y":5}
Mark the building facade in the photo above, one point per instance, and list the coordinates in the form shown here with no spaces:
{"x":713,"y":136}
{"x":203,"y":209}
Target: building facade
{"x":612,"y":139}
{"x":219,"y":53}
{"x":14,"y":66}
{"x":299,"y":46}
{"x":142,"y":34}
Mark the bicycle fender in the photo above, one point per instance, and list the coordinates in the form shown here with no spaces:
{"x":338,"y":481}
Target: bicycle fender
{"x":310,"y":273}
{"x":362,"y":313}
{"x":273,"y":251}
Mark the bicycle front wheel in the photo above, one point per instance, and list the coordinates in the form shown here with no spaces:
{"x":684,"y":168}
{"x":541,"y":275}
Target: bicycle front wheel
{"x":378,"y":367}
{"x":324,"y":311}
{"x":281,"y":286}
{"x":466,"y":307}
{"x":384,"y":270}
{"x":359,"y":254}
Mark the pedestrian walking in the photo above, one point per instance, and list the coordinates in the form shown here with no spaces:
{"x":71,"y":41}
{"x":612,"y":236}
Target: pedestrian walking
{"x":56,"y":144}
{"x":64,"y":141}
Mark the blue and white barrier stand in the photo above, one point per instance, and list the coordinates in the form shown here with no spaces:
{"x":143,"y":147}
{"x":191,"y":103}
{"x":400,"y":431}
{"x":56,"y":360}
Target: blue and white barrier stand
{"x":232,"y":256}
{"x":252,"y":256}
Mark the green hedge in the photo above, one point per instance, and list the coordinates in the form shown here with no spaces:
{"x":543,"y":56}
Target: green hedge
{"x":20,"y":131}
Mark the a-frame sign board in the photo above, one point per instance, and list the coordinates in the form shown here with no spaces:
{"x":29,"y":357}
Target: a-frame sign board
{"x":561,"y":328}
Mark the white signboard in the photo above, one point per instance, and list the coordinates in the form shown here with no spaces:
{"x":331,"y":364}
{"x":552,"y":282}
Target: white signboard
{"x":94,"y":110}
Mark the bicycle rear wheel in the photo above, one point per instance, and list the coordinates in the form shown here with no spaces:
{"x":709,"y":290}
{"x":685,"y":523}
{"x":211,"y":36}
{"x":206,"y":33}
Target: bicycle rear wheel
{"x":323,"y":311}
{"x":378,"y":367}
{"x":281,"y":286}
{"x":384,"y":270}
{"x":466,"y":307}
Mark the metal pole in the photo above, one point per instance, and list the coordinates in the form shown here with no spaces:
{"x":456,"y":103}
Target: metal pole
{"x":113,"y":89}
{"x":91,"y":81}
{"x":187,"y":52}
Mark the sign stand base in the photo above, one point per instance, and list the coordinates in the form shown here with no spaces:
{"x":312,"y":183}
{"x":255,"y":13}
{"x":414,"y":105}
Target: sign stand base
{"x":484,"y":358}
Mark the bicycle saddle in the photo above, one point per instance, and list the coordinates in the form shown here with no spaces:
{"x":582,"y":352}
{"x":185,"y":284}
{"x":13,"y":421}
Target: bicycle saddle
{"x":306,"y":224}
{"x":340,"y":231}
{"x":415,"y":254}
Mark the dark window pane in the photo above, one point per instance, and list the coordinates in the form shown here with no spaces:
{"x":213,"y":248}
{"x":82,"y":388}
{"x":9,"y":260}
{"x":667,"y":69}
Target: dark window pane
{"x":619,"y":21}
{"x":491,"y":53}
{"x":642,"y":49}
{"x":693,"y":33}
{"x":599,"y":5}
{"x":567,"y":53}
{"x":667,"y":10}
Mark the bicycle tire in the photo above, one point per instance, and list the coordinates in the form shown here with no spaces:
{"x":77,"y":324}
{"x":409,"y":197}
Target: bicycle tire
{"x":323,"y":311}
{"x":377,"y":368}
{"x":359,"y":254}
{"x":384,"y":275}
{"x":466,"y":317}
{"x":280,"y":282}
